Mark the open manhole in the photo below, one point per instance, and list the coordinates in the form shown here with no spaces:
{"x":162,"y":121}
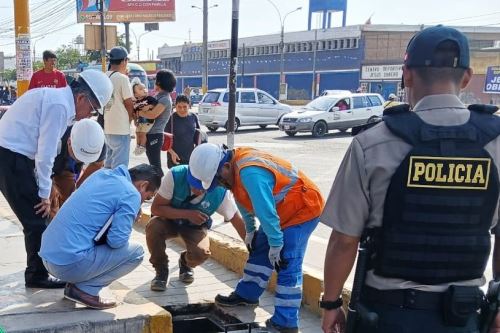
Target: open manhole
{"x":207,"y":318}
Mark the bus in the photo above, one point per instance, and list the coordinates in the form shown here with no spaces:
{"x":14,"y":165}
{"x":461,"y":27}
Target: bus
{"x":134,"y":71}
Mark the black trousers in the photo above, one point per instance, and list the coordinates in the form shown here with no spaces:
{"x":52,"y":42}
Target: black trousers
{"x":395,"y":319}
{"x":18,"y":185}
{"x":153,"y":149}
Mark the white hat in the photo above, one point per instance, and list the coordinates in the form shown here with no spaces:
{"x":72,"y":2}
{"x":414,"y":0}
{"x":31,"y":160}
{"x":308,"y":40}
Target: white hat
{"x":204,"y":163}
{"x":393,"y":96}
{"x":100,"y":84}
{"x":87,"y":140}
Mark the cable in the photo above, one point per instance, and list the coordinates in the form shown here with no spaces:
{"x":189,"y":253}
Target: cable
{"x":463,"y":18}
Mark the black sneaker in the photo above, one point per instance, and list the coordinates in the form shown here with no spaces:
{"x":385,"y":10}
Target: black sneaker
{"x":275,"y":328}
{"x":233,"y":300}
{"x":159,"y":283}
{"x":186,"y":273}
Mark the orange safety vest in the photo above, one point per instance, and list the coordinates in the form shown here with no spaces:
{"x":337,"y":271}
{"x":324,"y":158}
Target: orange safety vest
{"x":297,"y":198}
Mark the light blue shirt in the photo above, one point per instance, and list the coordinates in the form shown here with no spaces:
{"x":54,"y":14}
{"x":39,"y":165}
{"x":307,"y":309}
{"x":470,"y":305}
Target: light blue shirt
{"x":33,"y":127}
{"x":259,"y":184}
{"x":71,"y":234}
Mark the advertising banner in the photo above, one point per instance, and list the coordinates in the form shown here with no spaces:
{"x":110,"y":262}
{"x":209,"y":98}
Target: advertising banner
{"x":119,"y":11}
{"x":492,"y":80}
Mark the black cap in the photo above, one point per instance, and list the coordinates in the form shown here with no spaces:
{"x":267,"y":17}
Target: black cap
{"x":118,"y":53}
{"x":421,"y":48}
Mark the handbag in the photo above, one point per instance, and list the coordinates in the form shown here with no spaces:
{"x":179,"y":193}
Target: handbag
{"x":168,"y":138}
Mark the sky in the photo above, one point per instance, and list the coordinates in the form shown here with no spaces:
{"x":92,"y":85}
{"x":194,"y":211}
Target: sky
{"x":257,"y":17}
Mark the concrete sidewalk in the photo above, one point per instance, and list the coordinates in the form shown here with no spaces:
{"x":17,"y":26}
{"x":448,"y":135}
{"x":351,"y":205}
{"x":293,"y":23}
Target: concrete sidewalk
{"x":140,"y":310}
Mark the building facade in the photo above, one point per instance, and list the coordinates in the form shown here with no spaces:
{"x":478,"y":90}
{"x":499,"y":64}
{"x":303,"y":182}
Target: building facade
{"x":367,"y":57}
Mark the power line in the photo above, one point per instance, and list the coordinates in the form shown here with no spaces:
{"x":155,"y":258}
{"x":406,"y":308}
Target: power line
{"x":464,"y":18}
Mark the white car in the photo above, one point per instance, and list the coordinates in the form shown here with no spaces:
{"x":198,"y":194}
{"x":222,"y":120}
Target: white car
{"x":339,"y":112}
{"x":253,"y":107}
{"x":335,"y":92}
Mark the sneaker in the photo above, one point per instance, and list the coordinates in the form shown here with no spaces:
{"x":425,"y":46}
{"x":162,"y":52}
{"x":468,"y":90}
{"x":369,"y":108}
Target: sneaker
{"x":159,"y":283}
{"x":233,"y":300}
{"x":275,"y":328}
{"x":186,"y":273}
{"x":139,"y":150}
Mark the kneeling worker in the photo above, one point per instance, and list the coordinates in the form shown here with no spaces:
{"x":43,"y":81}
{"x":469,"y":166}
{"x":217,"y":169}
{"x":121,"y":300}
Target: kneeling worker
{"x":69,"y":248}
{"x":181,"y":209}
{"x":287,"y":204}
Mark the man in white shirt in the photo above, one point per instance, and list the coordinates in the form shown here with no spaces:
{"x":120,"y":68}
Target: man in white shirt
{"x":29,"y":136}
{"x":119,"y":111}
{"x":182,"y":210}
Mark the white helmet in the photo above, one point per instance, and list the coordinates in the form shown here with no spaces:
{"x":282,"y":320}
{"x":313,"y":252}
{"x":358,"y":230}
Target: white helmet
{"x":393,"y":97}
{"x":204,"y":163}
{"x":100,"y":84}
{"x":87,"y":140}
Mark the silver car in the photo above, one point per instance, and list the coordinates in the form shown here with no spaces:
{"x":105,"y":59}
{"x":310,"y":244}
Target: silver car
{"x":253,"y":107}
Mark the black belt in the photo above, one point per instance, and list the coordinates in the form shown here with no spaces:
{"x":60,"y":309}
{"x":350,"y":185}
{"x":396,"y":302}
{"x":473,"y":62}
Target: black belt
{"x":405,"y":298}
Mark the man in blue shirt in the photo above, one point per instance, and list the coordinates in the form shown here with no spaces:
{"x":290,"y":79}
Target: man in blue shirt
{"x":69,"y":250}
{"x":29,"y":134}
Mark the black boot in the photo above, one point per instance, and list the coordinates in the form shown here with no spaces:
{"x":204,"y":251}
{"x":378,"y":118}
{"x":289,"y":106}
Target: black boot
{"x":159,"y":283}
{"x":186,"y":273}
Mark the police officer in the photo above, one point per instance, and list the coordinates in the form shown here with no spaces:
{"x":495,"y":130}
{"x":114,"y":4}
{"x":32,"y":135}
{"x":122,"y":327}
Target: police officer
{"x":427,"y":181}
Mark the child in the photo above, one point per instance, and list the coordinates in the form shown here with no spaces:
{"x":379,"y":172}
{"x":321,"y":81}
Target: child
{"x":143,"y":125}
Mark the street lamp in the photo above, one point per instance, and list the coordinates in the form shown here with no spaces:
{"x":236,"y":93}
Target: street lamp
{"x":204,"y":60}
{"x":138,"y":42}
{"x":282,"y":42}
{"x":34,"y":47}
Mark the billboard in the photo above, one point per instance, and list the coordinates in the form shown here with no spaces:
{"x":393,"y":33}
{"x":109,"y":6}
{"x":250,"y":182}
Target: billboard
{"x":492,"y":80}
{"x":118,"y":11}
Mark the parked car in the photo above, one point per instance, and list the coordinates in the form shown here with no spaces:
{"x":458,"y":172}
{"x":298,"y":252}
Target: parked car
{"x":253,"y":107}
{"x":330,"y":112}
{"x":196,"y":95}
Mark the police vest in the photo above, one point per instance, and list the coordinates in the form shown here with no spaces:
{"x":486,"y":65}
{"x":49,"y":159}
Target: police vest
{"x":441,"y":200}
{"x":182,"y":194}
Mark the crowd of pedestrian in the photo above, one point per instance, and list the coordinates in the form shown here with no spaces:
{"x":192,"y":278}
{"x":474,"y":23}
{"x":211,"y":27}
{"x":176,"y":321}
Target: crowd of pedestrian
{"x":417,"y":193}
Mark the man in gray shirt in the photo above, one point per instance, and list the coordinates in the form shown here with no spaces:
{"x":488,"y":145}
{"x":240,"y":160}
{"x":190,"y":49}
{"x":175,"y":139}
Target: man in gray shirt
{"x":426,"y":181}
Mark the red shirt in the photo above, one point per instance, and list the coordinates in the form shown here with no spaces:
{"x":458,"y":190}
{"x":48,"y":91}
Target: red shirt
{"x":40,"y":79}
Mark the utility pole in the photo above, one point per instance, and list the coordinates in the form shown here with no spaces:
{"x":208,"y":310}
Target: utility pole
{"x":24,"y":66}
{"x":242,"y":65}
{"x":103,"y":36}
{"x":127,"y":36}
{"x":315,"y":47}
{"x":232,"y":74}
{"x":204,"y":64}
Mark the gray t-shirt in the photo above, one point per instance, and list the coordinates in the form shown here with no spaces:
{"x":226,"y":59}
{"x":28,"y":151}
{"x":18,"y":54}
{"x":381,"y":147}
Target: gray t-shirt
{"x":357,"y":197}
{"x":160,"y":122}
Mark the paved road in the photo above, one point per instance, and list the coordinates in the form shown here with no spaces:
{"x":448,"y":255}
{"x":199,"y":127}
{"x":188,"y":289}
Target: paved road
{"x":318,"y":158}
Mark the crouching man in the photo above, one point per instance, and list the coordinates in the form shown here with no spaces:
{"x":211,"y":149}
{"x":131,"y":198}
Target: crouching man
{"x":180,"y":209}
{"x":69,"y":249}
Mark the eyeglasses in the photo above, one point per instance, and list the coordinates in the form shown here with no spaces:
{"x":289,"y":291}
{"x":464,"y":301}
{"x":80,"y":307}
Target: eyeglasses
{"x":94,"y":110}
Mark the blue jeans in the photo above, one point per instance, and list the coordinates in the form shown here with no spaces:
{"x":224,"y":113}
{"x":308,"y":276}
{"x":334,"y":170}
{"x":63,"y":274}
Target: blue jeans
{"x":100,"y":267}
{"x":118,"y":150}
{"x":258,"y":270}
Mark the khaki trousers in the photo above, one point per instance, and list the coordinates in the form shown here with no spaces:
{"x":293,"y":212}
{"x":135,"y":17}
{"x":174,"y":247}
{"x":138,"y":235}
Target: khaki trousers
{"x":159,"y":230}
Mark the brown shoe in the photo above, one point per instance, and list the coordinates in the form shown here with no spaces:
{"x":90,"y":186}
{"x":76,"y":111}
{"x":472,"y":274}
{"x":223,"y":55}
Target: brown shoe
{"x":71,"y":292}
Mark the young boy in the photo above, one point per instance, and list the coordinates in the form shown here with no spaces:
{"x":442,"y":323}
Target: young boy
{"x":143,"y":125}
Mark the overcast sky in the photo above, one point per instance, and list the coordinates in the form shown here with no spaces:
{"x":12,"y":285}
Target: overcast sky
{"x":258,"y":17}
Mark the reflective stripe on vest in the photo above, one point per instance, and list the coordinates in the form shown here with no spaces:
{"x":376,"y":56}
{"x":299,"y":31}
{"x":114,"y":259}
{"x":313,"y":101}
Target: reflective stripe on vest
{"x":292,"y":174}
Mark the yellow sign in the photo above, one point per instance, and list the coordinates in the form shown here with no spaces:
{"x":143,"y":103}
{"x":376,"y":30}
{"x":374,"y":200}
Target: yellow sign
{"x":449,"y":172}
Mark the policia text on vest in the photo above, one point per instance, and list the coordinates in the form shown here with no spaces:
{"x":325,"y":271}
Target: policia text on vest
{"x":452,"y":173}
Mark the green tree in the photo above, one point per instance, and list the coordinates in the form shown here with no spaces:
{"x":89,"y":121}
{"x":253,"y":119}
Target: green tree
{"x":10,"y":75}
{"x":68,"y":57}
{"x":37,"y":65}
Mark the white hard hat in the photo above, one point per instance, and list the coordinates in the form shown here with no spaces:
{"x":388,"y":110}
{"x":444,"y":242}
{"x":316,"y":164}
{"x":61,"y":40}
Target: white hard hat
{"x":392,"y":96}
{"x":204,"y":163}
{"x":87,"y":140}
{"x":100,"y":84}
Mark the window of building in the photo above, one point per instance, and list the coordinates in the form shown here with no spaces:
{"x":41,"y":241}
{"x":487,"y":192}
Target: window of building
{"x":348,"y":43}
{"x":355,"y":43}
{"x":341,"y":43}
{"x":299,"y":47}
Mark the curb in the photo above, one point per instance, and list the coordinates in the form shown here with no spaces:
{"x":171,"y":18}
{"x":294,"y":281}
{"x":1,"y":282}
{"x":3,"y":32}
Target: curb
{"x":232,"y":254}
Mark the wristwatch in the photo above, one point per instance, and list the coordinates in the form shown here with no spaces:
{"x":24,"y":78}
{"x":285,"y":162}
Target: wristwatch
{"x":331,"y":305}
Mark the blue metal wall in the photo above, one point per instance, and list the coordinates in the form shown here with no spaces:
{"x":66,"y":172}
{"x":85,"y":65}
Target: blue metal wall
{"x":215,"y":82}
{"x":342,"y":80}
{"x":269,"y":83}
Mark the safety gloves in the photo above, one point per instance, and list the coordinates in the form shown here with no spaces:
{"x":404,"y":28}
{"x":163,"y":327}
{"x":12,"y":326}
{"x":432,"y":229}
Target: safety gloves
{"x":276,"y":258}
{"x":250,"y":241}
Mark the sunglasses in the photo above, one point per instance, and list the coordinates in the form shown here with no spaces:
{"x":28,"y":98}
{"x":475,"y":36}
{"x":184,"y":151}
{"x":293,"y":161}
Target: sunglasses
{"x":95,"y":111}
